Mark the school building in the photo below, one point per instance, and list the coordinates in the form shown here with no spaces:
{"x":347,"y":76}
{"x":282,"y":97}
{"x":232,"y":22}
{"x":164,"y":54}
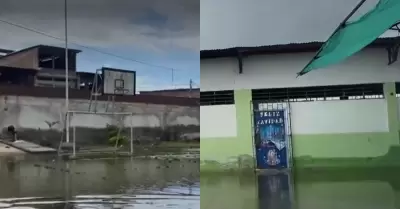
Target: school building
{"x":346,"y":115}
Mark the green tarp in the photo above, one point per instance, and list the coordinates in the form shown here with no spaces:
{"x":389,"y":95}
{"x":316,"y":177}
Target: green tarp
{"x":354,"y":36}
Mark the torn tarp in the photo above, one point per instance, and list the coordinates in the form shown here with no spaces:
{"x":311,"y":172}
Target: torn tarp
{"x":351,"y":37}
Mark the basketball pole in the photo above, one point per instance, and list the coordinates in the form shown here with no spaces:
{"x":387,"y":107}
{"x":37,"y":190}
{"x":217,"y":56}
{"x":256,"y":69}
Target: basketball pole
{"x":66,"y":73}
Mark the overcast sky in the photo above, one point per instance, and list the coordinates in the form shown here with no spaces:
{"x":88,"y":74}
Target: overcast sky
{"x":232,"y":23}
{"x":155,"y":31}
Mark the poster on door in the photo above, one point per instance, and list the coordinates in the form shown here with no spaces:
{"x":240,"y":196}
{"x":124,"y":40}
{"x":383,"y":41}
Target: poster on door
{"x":270,"y":139}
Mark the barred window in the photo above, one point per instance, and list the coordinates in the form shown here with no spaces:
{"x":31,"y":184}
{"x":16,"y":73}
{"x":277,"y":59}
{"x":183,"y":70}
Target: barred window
{"x":320,"y":93}
{"x":397,"y":89}
{"x":216,"y":97}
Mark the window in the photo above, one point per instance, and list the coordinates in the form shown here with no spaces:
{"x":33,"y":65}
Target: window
{"x":320,"y":93}
{"x":52,"y":79}
{"x":216,"y":97}
{"x":397,"y":89}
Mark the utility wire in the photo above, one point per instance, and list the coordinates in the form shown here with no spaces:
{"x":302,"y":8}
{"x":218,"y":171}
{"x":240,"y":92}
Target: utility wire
{"x":195,"y":84}
{"x":86,"y":47}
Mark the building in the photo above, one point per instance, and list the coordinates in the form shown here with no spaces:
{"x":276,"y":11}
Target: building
{"x":47,"y":61}
{"x":4,"y":52}
{"x":184,"y":92}
{"x":341,"y":116}
{"x":39,"y":71}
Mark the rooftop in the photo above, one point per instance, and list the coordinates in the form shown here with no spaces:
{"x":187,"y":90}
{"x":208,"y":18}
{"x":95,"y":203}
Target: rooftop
{"x":283,"y":48}
{"x":50,"y":49}
{"x":6,"y":51}
{"x":173,"y":90}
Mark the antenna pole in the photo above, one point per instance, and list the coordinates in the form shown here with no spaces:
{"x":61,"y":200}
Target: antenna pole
{"x":191,"y":87}
{"x":172,"y":77}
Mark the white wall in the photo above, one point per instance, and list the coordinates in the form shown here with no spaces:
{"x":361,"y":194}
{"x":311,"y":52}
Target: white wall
{"x":351,"y":116}
{"x":276,"y":71}
{"x":217,"y":121}
{"x":398,"y":106}
{"x":31,"y":112}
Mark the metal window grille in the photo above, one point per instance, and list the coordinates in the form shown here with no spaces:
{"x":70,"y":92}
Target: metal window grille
{"x":216,"y":97}
{"x":397,"y":89}
{"x":320,"y":93}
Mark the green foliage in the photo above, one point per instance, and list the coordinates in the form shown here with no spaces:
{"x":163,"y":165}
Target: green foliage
{"x":116,"y":136}
{"x":117,"y":141}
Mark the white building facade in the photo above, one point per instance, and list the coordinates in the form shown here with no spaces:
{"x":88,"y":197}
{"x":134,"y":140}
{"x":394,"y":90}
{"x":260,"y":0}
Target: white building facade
{"x":344,"y":114}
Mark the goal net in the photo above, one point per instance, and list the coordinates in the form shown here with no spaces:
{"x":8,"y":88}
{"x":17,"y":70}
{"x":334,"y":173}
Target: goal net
{"x":98,"y":132}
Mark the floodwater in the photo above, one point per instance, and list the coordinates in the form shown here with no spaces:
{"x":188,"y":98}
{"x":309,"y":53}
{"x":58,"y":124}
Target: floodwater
{"x":377,"y":188}
{"x":124,"y":183}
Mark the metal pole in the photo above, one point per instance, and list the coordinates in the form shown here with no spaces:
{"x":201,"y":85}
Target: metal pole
{"x":191,"y":87}
{"x":74,"y":139}
{"x":131,"y":134}
{"x":97,"y":90}
{"x":66,"y":68}
{"x":172,"y":78}
{"x":343,"y":23}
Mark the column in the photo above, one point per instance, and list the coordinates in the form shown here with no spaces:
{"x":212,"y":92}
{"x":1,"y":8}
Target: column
{"x":392,"y":108}
{"x":244,"y":127}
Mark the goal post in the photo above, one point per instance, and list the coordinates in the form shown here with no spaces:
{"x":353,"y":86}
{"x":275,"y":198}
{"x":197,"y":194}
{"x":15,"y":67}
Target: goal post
{"x":97,"y":129}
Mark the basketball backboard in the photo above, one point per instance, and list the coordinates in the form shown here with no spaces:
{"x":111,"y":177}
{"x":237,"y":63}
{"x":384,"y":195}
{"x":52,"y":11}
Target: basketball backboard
{"x":118,"y":82}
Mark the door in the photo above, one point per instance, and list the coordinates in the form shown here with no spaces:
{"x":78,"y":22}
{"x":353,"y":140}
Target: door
{"x":272,"y":135}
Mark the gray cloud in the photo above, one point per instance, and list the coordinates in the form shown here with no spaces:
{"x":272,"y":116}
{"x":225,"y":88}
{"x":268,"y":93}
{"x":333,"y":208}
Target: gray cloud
{"x":230,"y":23}
{"x":154,"y":24}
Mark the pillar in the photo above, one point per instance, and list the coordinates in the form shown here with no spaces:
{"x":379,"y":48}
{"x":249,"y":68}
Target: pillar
{"x":244,"y":126}
{"x":392,"y":108}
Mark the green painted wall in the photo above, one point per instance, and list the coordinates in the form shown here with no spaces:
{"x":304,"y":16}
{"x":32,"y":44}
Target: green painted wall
{"x":318,"y":150}
{"x":235,"y":152}
{"x":392,"y":107}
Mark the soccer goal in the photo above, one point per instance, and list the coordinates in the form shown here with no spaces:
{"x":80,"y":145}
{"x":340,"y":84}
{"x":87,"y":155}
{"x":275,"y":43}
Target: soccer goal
{"x":98,"y":132}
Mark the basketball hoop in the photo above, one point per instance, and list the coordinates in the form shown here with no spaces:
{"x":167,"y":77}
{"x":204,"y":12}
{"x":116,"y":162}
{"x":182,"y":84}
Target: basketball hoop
{"x":118,"y":82}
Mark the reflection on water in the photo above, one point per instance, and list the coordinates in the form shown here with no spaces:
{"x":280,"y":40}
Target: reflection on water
{"x":103,"y":183}
{"x":307,"y":189}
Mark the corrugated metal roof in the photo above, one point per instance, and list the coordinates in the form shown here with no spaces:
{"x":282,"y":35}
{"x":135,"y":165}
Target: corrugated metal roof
{"x":282,"y":48}
{"x":172,"y":90}
{"x":46,"y":47}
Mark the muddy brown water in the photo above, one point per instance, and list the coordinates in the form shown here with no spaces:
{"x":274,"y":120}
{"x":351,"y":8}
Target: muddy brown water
{"x":350,"y":188}
{"x":48,"y":182}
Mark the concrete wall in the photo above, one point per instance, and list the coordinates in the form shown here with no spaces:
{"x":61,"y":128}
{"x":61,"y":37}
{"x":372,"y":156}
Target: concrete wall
{"x":324,"y":133}
{"x":280,"y":70}
{"x":343,"y":116}
{"x":195,"y":93}
{"x":218,"y":121}
{"x":31,"y":116}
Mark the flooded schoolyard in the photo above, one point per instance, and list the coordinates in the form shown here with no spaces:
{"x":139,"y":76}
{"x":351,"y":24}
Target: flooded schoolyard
{"x":377,"y":188}
{"x":48,"y":182}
